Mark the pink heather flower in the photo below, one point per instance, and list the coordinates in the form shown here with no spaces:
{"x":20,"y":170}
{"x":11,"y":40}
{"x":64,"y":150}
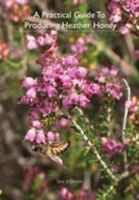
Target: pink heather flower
{"x":46,"y":108}
{"x":114,"y":71}
{"x":31,"y":93}
{"x":34,"y":114}
{"x":50,"y":38}
{"x":124,"y":30}
{"x":63,"y":192}
{"x":40,"y":137}
{"x":113,"y":6}
{"x":103,"y":75}
{"x":70,"y":100}
{"x":111,"y":147}
{"x":83,"y":100}
{"x":29,"y":97}
{"x":80,"y":46}
{"x":82,"y":72}
{"x":108,"y":81}
{"x":45,"y":58}
{"x":105,"y":71}
{"x":54,"y":32}
{"x":75,"y":99}
{"x":114,"y":90}
{"x":115,"y":18}
{"x":66,"y":194}
{"x":52,"y":72}
{"x":72,"y":73}
{"x":50,"y":137}
{"x":51,"y":91}
{"x":31,"y":42}
{"x":63,"y":122}
{"x":92,"y":89}
{"x":36,"y":124}
{"x":30,"y":135}
{"x":66,"y":81}
{"x":41,"y":41}
{"x":100,"y":78}
{"x":128,"y":104}
{"x":29,"y":82}
{"x":70,"y":61}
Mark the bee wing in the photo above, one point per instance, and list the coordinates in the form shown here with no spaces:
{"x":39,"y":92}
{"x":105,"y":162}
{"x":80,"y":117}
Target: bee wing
{"x":56,"y":159}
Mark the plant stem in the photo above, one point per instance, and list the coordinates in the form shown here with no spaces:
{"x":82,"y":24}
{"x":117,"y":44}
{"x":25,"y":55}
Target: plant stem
{"x":95,"y":151}
{"x":109,"y":121}
{"x":108,"y":192}
{"x":125,"y":119}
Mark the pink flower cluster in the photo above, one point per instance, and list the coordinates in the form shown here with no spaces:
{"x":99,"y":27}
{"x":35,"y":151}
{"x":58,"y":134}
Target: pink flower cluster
{"x":81,"y":45}
{"x":109,"y":83}
{"x":41,"y":40}
{"x":82,"y":195}
{"x":63,"y":85}
{"x":111,"y":147}
{"x":124,"y":13}
{"x":15,"y":10}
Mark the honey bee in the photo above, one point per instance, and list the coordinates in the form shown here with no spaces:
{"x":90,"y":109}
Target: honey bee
{"x":52,"y":150}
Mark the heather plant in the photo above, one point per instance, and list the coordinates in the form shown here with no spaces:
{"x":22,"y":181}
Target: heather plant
{"x":66,"y":95}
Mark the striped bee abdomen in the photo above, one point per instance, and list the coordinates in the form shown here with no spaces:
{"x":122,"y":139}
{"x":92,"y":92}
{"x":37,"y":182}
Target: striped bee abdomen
{"x":59,"y":148}
{"x":37,"y":148}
